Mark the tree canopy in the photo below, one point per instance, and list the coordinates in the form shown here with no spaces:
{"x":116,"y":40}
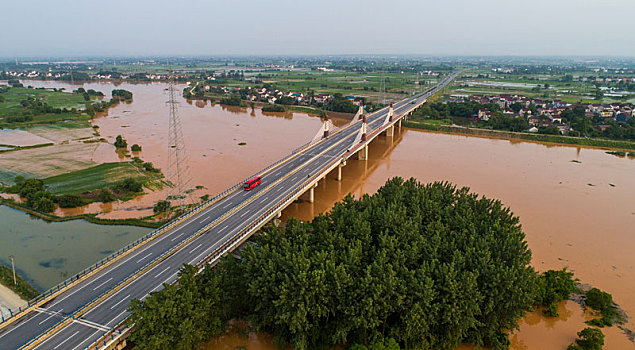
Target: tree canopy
{"x":418,"y":266}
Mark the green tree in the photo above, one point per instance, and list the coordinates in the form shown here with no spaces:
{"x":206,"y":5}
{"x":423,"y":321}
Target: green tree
{"x":552,"y":287}
{"x":180,"y":316}
{"x":130,"y":185}
{"x":105,"y":195}
{"x":70,"y":201}
{"x":135,"y":148}
{"x":120,"y":142}
{"x":44,"y":204}
{"x":161,"y":206}
{"x":588,"y":339}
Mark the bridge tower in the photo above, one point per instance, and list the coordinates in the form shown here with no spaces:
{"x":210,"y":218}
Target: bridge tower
{"x":178,"y":168}
{"x":326,"y":125}
{"x":361,"y":110}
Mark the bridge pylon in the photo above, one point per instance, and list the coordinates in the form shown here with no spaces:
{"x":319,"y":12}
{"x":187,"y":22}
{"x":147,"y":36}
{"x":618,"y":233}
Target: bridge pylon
{"x":362,"y":110}
{"x":326,"y":125}
{"x":391,"y":112}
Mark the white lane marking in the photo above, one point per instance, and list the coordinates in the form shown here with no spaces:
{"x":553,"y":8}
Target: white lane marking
{"x":120,"y":301}
{"x":245,"y":212}
{"x":67,"y":339}
{"x":157,"y":275}
{"x":195,"y":248}
{"x":223,"y":229}
{"x":227,"y":205}
{"x":121,"y":290}
{"x":100,"y":285}
{"x":175,"y":237}
{"x":138,"y":261}
{"x":87,"y":338}
{"x":54,"y":313}
{"x":116,"y":317}
{"x":202,"y":221}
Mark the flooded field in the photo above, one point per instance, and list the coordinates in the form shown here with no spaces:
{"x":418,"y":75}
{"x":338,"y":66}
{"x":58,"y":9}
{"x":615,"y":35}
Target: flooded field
{"x":212,"y":136}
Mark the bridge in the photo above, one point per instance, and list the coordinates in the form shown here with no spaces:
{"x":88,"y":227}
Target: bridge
{"x":88,"y":310}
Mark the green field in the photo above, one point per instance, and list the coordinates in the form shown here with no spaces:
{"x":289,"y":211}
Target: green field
{"x":97,"y":177}
{"x":12,"y":106}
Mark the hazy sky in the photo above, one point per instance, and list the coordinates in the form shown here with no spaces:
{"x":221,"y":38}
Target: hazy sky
{"x":198,"y":27}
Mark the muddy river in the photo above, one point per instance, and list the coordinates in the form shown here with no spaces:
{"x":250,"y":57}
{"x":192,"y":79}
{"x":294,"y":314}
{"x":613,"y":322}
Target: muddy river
{"x":577,"y":205}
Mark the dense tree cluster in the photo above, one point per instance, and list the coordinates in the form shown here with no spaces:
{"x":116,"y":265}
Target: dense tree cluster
{"x":439,"y":110}
{"x":553,"y":287}
{"x":120,"y":142}
{"x":121,"y":94}
{"x":603,"y":302}
{"x":588,"y":339}
{"x":430,"y":266}
{"x":273,"y":108}
{"x":340,"y":103}
{"x":231,"y":100}
{"x":181,"y":316}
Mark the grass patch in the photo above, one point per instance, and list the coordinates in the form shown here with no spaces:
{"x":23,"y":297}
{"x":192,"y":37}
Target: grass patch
{"x":23,"y":289}
{"x":101,"y":176}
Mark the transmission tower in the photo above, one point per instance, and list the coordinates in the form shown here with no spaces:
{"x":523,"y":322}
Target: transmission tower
{"x":178,"y":168}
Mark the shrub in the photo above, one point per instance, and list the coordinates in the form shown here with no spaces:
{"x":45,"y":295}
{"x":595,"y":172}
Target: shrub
{"x":552,"y":287}
{"x":70,"y":201}
{"x":135,"y":148}
{"x":120,"y":142}
{"x":130,"y":185}
{"x":588,"y":339}
{"x":105,"y":195}
{"x":148,"y":166}
{"x":603,"y":302}
{"x":161,"y":206}
{"x":44,"y":204}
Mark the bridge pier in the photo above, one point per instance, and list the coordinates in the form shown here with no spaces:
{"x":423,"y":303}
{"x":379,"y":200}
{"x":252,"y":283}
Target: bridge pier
{"x":363,"y":153}
{"x":399,"y":123}
{"x":312,"y":193}
{"x":339,"y":170}
{"x":390,"y":131}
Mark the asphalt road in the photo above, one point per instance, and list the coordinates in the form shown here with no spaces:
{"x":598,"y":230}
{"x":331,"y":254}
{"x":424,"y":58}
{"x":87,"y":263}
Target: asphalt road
{"x":276,"y":184}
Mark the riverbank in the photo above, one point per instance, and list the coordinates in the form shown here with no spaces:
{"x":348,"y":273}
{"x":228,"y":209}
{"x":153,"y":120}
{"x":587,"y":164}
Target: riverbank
{"x":507,"y":135}
{"x":92,"y":218}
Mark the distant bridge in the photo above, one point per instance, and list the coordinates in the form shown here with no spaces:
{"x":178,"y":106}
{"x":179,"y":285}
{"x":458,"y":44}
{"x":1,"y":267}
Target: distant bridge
{"x":87,"y":311}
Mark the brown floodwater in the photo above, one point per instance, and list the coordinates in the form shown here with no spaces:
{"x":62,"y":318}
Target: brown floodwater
{"x":212,"y":134}
{"x":576,"y":205}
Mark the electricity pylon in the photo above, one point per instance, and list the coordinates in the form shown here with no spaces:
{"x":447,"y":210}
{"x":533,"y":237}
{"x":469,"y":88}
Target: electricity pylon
{"x":178,"y":168}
